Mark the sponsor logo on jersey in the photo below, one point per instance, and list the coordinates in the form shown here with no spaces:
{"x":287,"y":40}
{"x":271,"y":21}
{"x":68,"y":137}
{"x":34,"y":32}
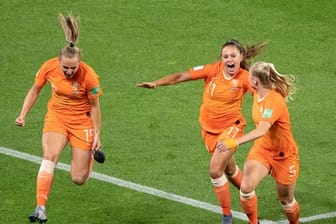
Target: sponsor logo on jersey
{"x":197,"y":68}
{"x":267,"y":113}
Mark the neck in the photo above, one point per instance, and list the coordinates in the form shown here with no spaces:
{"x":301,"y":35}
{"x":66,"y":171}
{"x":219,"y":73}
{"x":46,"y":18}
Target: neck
{"x":262,"y":93}
{"x":228,"y":76}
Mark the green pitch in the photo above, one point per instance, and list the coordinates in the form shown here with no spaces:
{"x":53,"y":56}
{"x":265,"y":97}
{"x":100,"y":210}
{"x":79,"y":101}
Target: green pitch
{"x":152,"y":137}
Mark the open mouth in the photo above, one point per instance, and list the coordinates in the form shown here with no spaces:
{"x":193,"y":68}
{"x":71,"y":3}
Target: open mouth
{"x":229,"y":65}
{"x":67,"y":75}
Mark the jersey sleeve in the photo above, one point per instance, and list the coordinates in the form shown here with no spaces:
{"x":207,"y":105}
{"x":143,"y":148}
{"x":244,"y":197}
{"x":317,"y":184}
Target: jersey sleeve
{"x":93,"y":86}
{"x":200,"y":72}
{"x":41,"y":76}
{"x":273,"y":109}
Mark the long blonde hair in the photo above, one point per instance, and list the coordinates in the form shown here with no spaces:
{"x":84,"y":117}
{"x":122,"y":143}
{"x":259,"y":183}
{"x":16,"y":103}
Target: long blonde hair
{"x":71,"y":32}
{"x":272,"y":79}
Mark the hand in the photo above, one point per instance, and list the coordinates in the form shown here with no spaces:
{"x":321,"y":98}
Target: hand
{"x":227,"y":144}
{"x":148,"y":85}
{"x":20,"y":121}
{"x":96,"y":144}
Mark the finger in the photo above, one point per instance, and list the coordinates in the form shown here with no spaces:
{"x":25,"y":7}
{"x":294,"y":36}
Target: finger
{"x":18,"y":123}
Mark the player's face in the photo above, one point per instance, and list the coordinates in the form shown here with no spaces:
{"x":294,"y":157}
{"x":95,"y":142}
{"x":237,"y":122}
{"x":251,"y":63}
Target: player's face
{"x":69,"y":66}
{"x":231,"y":58}
{"x":253,"y":81}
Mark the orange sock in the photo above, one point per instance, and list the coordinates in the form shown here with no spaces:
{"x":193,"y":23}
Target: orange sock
{"x":292,"y":212}
{"x":223,"y":196}
{"x":249,"y":203}
{"x":44,"y":182}
{"x":222,"y":190}
{"x":43,"y":186}
{"x":236,"y":178}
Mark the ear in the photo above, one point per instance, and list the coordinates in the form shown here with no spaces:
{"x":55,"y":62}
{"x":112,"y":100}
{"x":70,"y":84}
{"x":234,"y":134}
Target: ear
{"x":254,"y":80}
{"x":241,"y":57}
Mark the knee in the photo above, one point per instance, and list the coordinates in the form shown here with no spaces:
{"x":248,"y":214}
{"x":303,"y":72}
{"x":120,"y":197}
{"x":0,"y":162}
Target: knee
{"x":246,"y":188}
{"x":231,"y":170}
{"x":79,"y":180}
{"x":288,"y":204}
{"x":285,"y":201}
{"x":215,"y":172}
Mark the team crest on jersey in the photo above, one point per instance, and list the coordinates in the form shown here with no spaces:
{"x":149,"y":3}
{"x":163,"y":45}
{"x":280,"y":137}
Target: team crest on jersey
{"x":54,"y":87}
{"x":75,"y":88}
{"x":235,"y":84}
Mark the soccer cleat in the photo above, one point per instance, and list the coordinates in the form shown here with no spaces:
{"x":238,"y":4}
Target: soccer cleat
{"x":39,"y":215}
{"x":227,"y":219}
{"x":99,"y":156}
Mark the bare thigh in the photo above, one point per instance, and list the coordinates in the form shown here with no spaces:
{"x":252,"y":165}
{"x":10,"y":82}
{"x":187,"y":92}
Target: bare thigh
{"x":285,"y":192}
{"x":219,"y":161}
{"x":80,"y":165}
{"x":253,"y":172}
{"x":230,"y":168}
{"x":53,"y":144}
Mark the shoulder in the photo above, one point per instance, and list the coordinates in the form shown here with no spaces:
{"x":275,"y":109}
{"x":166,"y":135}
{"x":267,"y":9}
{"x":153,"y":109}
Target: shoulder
{"x":86,"y":70}
{"x":87,"y":74}
{"x":276,"y":98}
{"x":51,"y":64}
{"x":48,"y":66}
{"x":275,"y":95}
{"x":217,"y":65}
{"x":243,"y":73}
{"x":210,"y":66}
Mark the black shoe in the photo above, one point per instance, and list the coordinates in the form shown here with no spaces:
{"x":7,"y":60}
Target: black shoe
{"x":99,"y":156}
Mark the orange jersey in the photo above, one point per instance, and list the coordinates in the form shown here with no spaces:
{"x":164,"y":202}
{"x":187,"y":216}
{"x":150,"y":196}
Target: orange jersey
{"x":222,"y":98}
{"x":70,"y":97}
{"x":278,"y":140}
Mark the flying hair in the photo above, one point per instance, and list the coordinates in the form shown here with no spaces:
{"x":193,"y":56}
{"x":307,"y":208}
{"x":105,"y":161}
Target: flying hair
{"x":249,"y":52}
{"x":71,"y":32}
{"x":271,"y":78}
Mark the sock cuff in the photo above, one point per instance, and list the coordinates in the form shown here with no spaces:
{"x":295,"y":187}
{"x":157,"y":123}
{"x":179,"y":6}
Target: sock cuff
{"x":219,"y":181}
{"x":47,"y":166}
{"x":247,"y":195}
{"x":289,"y":205}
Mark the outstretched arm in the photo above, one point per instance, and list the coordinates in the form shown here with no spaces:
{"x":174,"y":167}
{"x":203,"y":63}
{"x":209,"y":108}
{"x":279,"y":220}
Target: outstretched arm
{"x":167,"y":80}
{"x":28,"y":103}
{"x":260,"y":131}
{"x":232,"y":144}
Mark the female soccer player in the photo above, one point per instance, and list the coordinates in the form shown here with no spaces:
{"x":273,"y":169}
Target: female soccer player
{"x":73,"y":115}
{"x":226,"y":82}
{"x":275,"y":151}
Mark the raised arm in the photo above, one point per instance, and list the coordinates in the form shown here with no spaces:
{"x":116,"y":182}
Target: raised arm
{"x":167,"y":80}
